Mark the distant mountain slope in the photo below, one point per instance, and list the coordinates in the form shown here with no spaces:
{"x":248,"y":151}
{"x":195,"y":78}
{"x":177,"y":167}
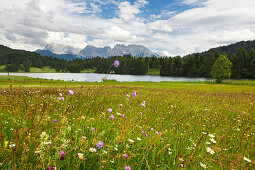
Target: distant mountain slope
{"x":70,"y":53}
{"x":118,"y":50}
{"x":232,"y":48}
{"x":60,"y":56}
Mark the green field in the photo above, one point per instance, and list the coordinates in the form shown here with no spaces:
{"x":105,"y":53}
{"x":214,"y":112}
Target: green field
{"x":184,"y":125}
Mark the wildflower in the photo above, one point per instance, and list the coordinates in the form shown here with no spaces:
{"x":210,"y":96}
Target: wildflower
{"x":71,"y":92}
{"x":80,"y":156}
{"x":131,"y":141}
{"x":62,"y":98}
{"x":118,"y":114}
{"x":125,"y":155}
{"x":104,"y":152}
{"x":12,"y":145}
{"x":62,"y":155}
{"x":181,"y":158}
{"x":60,"y":94}
{"x":127,"y":168}
{"x":213,"y":141}
{"x":116,"y":63}
{"x":112,"y":117}
{"x":246,"y":159}
{"x":83,"y":137}
{"x":110,"y":110}
{"x":211,"y":135}
{"x":134,"y":94}
{"x":93,"y":129}
{"x":139,"y":138}
{"x":143,"y":132}
{"x":170,"y":152}
{"x":6,"y":143}
{"x":143,"y":104}
{"x":146,"y":135}
{"x":128,"y":95}
{"x":59,"y":98}
{"x":210,"y":150}
{"x":51,"y":168}
{"x":55,"y":121}
{"x":100,"y":145}
{"x":92,"y":149}
{"x":152,"y":129}
{"x":115,"y":149}
{"x":141,"y":113}
{"x":203,"y":165}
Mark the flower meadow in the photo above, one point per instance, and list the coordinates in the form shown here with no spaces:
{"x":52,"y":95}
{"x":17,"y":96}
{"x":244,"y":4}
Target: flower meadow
{"x":127,"y":126}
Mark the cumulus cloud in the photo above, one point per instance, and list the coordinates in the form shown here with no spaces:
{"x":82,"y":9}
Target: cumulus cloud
{"x":32,"y":24}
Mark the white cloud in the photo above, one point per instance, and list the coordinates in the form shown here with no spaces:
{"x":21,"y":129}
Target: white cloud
{"x":31,"y":24}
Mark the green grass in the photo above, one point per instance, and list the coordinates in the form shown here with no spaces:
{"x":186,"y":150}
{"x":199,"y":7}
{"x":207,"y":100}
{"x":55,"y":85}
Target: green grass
{"x":88,"y":71}
{"x":45,"y":69}
{"x":153,"y":72}
{"x":184,"y":113}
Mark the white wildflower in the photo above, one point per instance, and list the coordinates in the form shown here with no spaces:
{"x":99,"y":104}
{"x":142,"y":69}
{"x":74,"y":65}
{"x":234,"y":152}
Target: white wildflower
{"x":210,"y":150}
{"x":246,"y":159}
{"x":203,"y":165}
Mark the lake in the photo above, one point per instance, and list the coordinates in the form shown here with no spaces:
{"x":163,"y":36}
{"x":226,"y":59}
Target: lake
{"x":94,"y":77}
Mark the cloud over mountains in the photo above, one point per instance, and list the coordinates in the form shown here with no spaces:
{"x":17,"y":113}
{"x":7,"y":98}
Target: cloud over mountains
{"x":173,"y":27}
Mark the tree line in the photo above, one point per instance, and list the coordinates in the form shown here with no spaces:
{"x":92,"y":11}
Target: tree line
{"x":194,"y":65}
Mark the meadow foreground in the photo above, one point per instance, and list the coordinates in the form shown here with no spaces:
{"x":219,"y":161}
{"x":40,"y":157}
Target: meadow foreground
{"x":117,"y":125}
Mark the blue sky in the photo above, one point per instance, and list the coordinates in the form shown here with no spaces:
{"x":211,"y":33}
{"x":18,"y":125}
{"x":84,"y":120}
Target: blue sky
{"x":171,"y":27}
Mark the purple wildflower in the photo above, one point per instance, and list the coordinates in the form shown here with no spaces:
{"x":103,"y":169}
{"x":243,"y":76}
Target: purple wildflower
{"x":134,"y":94}
{"x":51,"y":168}
{"x":146,"y":135}
{"x":55,"y":121}
{"x":112,"y":117}
{"x":62,"y":155}
{"x":116,"y":63}
{"x":110,"y":110}
{"x":93,"y":129}
{"x":127,"y":168}
{"x":100,"y":145}
{"x":128,"y":95}
{"x":126,"y":156}
{"x":152,"y":129}
{"x":143,"y":132}
{"x":60,"y":94}
{"x":141,"y":113}
{"x":59,"y":98}
{"x":62,"y":98}
{"x":143,"y":104}
{"x":71,"y":92}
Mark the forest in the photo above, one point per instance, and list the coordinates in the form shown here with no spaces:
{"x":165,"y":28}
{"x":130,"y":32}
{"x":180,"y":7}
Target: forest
{"x":241,"y":55}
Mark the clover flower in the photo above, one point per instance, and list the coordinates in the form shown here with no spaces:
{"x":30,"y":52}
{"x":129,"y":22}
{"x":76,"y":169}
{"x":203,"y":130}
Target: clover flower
{"x":100,"y":145}
{"x":116,"y":63}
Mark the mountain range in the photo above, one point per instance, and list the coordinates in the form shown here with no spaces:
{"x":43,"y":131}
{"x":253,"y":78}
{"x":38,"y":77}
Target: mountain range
{"x":69,"y":53}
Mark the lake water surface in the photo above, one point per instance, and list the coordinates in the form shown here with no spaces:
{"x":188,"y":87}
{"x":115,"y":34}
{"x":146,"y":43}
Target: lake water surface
{"x":94,"y":77}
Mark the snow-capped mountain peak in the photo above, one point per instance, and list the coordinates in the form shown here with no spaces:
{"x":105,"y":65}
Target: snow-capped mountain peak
{"x":61,"y":49}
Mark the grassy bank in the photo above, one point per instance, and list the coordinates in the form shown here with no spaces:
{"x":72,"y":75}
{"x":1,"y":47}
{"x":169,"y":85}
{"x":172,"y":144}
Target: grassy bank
{"x":167,"y":125}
